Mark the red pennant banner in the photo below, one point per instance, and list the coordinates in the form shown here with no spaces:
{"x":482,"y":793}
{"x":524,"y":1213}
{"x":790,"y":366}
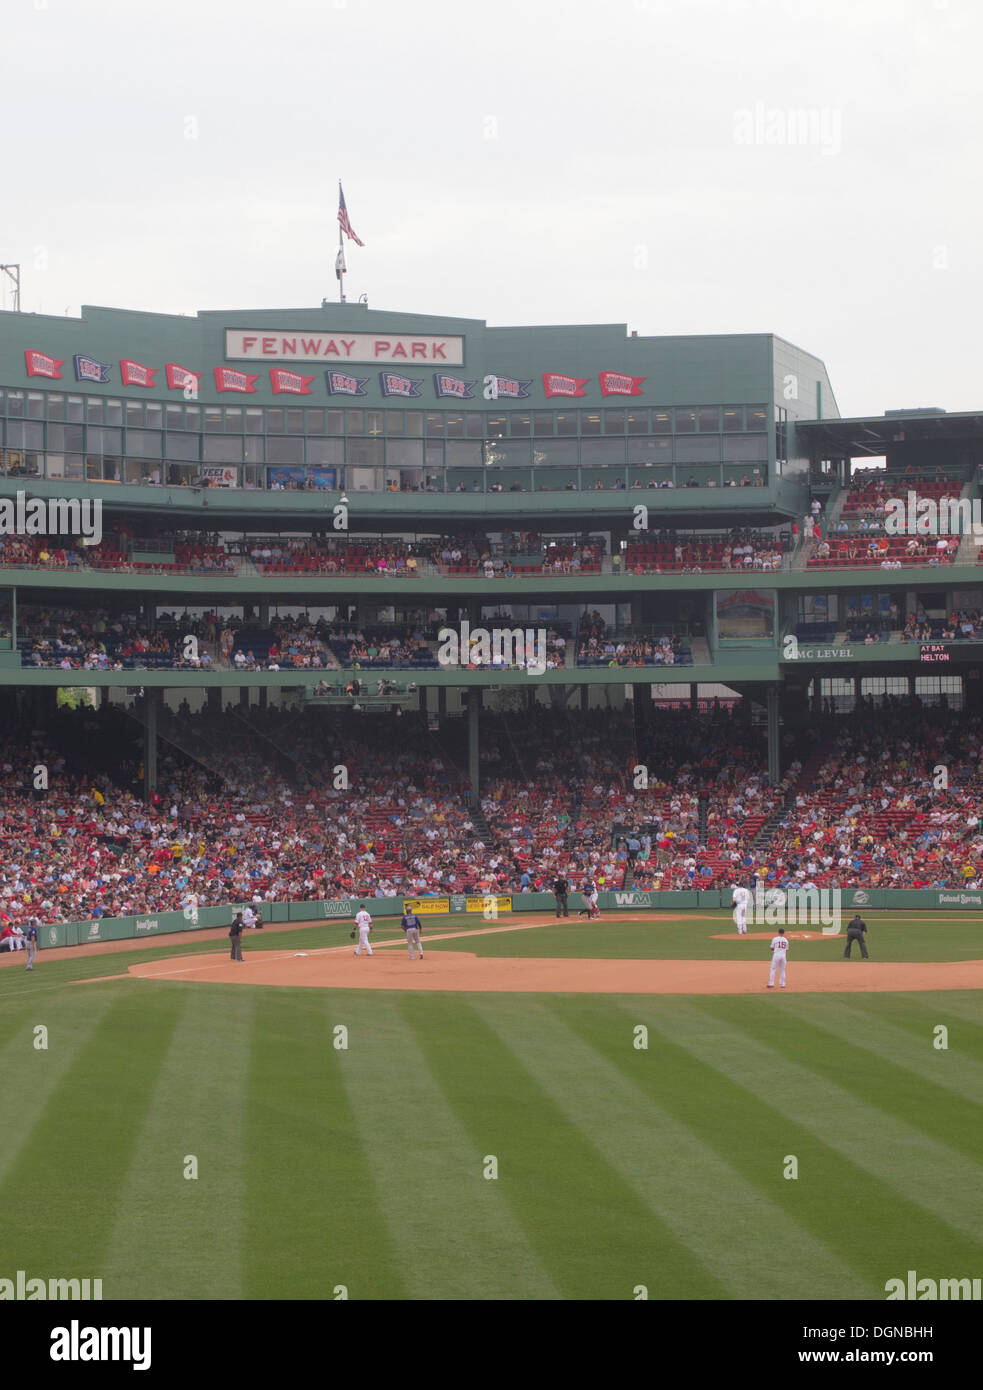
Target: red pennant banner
{"x":618,"y":384}
{"x":40,"y":364}
{"x":290,"y":382}
{"x":555,"y":384}
{"x":231,"y":379}
{"x":179,"y":377}
{"x":134,"y":374}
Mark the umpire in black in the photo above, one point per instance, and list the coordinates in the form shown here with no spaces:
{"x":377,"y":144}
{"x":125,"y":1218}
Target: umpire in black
{"x":560,"y":889}
{"x":235,"y":932}
{"x":856,"y":931}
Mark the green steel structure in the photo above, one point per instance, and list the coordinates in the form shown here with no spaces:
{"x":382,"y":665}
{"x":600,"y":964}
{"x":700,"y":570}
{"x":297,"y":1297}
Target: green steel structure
{"x":367,"y":425}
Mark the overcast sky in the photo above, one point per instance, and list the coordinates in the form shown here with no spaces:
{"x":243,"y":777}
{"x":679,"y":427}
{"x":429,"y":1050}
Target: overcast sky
{"x":804,"y":167}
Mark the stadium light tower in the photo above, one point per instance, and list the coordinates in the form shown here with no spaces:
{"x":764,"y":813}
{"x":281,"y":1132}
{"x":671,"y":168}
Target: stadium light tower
{"x":13,"y":274}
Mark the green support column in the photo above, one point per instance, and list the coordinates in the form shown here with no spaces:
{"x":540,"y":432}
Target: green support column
{"x":213,"y":697}
{"x":152,"y":701}
{"x":474,"y":705}
{"x":244,"y":697}
{"x":774,"y":745}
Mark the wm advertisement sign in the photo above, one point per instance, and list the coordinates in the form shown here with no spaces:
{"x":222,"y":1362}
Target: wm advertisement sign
{"x":632,"y":899}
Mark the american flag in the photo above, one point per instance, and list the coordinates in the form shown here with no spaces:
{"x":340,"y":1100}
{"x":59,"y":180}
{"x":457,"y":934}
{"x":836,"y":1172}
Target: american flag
{"x":346,"y":226}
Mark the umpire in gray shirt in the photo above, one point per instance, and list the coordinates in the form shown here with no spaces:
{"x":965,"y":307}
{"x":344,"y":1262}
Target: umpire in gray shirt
{"x":856,"y":931}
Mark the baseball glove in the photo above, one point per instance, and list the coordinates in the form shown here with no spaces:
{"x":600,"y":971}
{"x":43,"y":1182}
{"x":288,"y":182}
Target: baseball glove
{"x":351,"y":936}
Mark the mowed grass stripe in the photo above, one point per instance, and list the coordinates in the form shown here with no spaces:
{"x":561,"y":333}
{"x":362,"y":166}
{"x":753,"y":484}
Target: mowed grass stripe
{"x":312,"y":1219}
{"x":922,"y":1115}
{"x":911,"y":1047}
{"x":60,"y":1195}
{"x":454,"y":1232}
{"x":892,"y":1187}
{"x":197,"y":1110}
{"x":734,"y":1221}
{"x":589,"y":1226}
{"x":848,"y":1206}
{"x":29,"y":1076}
{"x":963,"y":1004}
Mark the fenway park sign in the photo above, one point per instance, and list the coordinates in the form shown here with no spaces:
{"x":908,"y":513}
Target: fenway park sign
{"x":259,"y":345}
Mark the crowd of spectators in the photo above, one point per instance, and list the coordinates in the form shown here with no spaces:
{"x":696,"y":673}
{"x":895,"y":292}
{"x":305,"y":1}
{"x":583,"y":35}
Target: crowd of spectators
{"x":94,"y":640}
{"x":258,"y":815}
{"x":688,"y":553}
{"x":596,"y":646}
{"x":875,"y":813}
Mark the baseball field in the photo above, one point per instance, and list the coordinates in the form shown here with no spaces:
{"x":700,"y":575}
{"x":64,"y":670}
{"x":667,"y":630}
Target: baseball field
{"x":537,"y":1110}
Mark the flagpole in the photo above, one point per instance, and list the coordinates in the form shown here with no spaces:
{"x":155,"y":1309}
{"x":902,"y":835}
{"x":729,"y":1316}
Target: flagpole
{"x":341,"y":253}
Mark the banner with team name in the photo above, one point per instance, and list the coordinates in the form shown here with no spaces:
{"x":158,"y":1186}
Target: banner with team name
{"x":509,"y":388}
{"x":393,"y":384}
{"x":344,"y":384}
{"x":618,"y":384}
{"x":453,"y":386}
{"x":135,"y":373}
{"x":180,"y":378}
{"x":229,"y":379}
{"x":40,"y":364}
{"x":88,"y":369}
{"x":291,"y":383}
{"x":555,"y":384}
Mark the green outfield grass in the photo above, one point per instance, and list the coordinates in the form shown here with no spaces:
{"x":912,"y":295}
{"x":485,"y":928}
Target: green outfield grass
{"x":618,"y":1166}
{"x":890,"y":937}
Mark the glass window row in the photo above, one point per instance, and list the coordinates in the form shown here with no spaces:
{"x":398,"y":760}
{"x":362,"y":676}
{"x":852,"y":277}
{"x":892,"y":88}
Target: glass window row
{"x":32,"y":435}
{"x":408,"y":475}
{"x":469,"y":424}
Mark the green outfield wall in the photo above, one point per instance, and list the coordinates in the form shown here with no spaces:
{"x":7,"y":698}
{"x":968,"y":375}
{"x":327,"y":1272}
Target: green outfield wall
{"x":344,"y":909}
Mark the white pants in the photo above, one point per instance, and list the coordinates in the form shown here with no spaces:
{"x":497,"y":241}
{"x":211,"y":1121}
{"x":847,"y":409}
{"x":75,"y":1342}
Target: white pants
{"x":777,"y":963}
{"x":740,"y":917}
{"x":363,"y":940}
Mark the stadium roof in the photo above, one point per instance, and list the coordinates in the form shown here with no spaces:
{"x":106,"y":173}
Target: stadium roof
{"x":873,"y":434}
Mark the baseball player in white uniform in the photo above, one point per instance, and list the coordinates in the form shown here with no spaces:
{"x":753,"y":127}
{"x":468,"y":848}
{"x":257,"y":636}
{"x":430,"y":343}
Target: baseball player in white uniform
{"x":741,"y":898}
{"x":364,"y":924}
{"x":779,"y":955}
